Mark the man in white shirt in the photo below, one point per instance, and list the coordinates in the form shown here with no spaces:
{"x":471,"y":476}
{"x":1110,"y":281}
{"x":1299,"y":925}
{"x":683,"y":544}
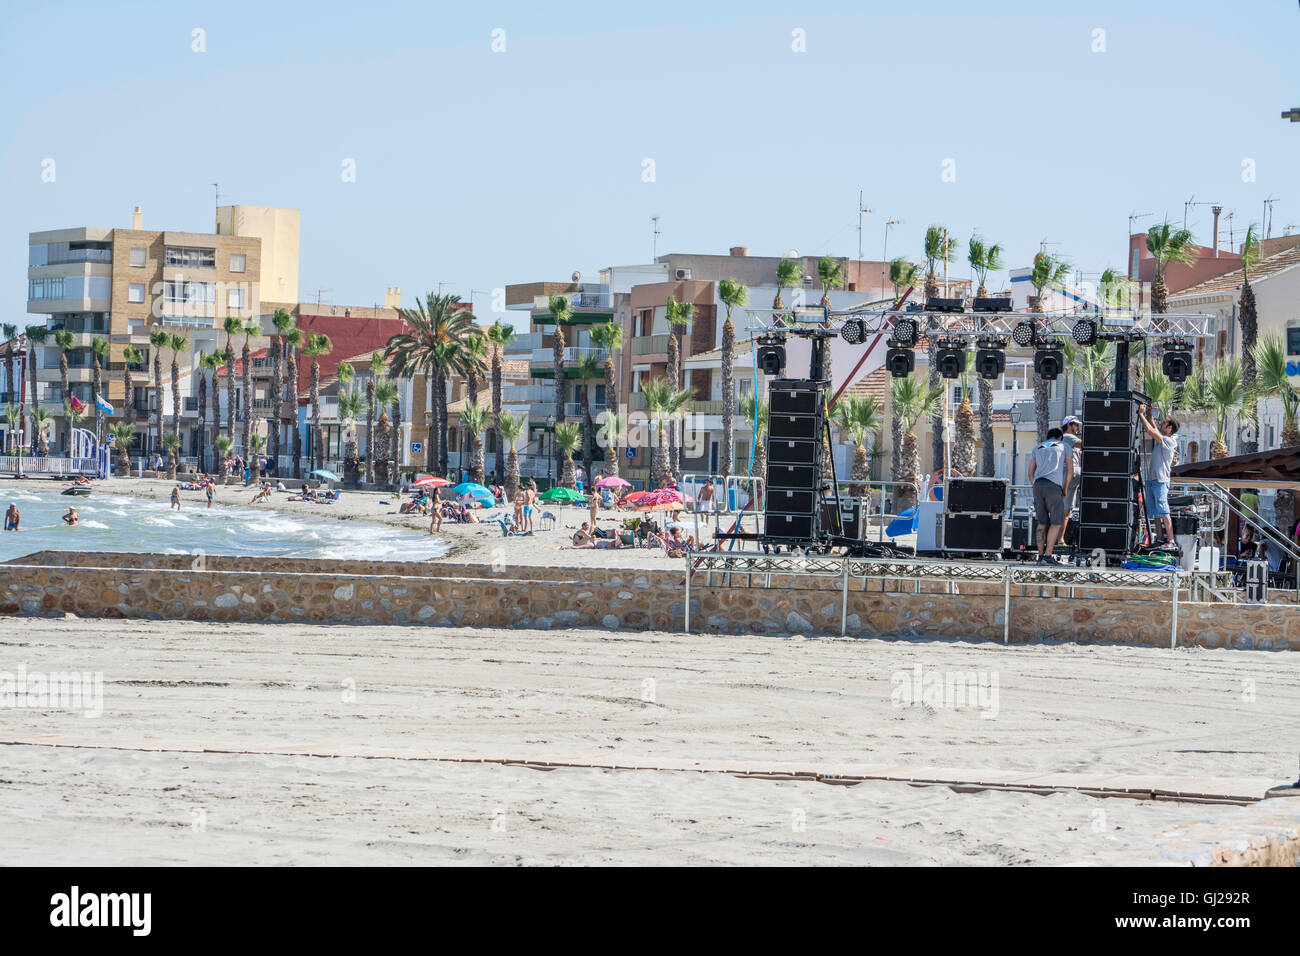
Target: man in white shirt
{"x":1051,"y":468}
{"x":1158,"y":471}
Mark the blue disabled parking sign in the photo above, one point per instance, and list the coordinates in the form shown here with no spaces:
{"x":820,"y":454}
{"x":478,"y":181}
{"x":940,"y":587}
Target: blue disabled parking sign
{"x":631,"y":452}
{"x":416,"y":447}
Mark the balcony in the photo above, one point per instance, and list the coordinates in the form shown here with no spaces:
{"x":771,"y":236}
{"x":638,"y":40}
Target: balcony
{"x":190,"y":321}
{"x":571,"y":356}
{"x":650,"y":345}
{"x":525,"y":394}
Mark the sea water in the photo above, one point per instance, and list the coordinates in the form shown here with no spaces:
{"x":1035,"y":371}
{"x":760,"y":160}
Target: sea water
{"x":118,"y":523}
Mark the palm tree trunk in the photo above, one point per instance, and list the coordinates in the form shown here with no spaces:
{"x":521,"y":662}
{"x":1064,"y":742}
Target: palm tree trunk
{"x":443,"y":428}
{"x":67,"y":420}
{"x":729,"y":396}
{"x":963,"y":452}
{"x":31,"y":377}
{"x":203,"y":420}
{"x":431,"y":457}
{"x":370,"y":430}
{"x":861,"y":473}
{"x":477,"y":463}
{"x":277,"y":392}
{"x":98,"y":386}
{"x":512,"y":474}
{"x":566,"y":476}
{"x":158,"y":395}
{"x":230,"y":389}
{"x":588,"y":434}
{"x":248,"y":396}
{"x":674,"y":378}
{"x":557,"y":360}
{"x":397,"y":438}
{"x":176,"y":397}
{"x":659,"y":460}
{"x":496,"y":409}
{"x":1247,"y":316}
{"x":316,"y":438}
{"x":611,"y":402}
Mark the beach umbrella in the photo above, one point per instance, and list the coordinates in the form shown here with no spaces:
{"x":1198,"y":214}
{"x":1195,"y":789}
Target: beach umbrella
{"x":665,"y":499}
{"x":430,"y":481}
{"x":326,"y":474}
{"x":560,"y":494}
{"x":613,"y":481}
{"x":472,"y":488}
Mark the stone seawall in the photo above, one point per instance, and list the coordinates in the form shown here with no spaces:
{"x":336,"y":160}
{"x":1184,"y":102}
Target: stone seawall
{"x":161,"y":587}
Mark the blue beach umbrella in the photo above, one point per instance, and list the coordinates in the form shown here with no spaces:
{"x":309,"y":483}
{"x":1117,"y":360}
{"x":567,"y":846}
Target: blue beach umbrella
{"x":477,"y":491}
{"x":326,"y":474}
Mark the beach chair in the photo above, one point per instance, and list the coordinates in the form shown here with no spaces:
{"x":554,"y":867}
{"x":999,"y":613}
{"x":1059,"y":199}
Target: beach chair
{"x":545,"y":521}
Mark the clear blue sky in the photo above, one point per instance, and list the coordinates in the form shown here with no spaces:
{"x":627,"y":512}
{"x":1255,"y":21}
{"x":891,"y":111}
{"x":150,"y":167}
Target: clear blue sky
{"x":478,"y":169}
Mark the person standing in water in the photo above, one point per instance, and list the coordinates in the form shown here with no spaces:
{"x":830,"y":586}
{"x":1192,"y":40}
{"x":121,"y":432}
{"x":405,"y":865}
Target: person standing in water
{"x":176,"y":499}
{"x":12,"y":517}
{"x":210,"y":493}
{"x":72,"y":517}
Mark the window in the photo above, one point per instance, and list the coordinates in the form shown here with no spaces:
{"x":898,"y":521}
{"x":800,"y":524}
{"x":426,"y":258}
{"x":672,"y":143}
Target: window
{"x":137,"y":257}
{"x":135,"y":293}
{"x":238,"y":262}
{"x":195,"y":292}
{"x":235,"y":299}
{"x":45,"y":288}
{"x":190,"y":258}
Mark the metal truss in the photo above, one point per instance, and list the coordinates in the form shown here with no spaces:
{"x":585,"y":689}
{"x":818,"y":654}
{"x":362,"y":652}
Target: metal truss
{"x":996,"y":326}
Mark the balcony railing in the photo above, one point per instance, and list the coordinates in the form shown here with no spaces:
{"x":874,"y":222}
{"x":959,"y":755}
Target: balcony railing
{"x":190,"y":321}
{"x":521,"y":394}
{"x":649,"y":344}
{"x":571,"y":356}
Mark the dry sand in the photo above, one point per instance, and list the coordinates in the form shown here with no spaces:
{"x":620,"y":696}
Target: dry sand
{"x":820,"y":703}
{"x":466,"y":542}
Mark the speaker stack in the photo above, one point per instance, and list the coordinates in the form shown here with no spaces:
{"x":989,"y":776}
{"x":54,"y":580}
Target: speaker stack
{"x":1108,"y":519}
{"x":972,"y":520}
{"x":794,"y":461}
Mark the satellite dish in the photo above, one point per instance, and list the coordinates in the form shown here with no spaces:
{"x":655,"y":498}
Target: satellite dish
{"x":792,"y":254}
{"x":576,"y":276}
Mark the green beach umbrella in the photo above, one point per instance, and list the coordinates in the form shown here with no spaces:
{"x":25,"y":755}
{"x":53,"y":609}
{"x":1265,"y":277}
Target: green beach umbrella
{"x":560,"y":494}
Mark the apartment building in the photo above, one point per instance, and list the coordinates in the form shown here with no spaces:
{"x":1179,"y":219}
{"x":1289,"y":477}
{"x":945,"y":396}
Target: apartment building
{"x":121,"y":284}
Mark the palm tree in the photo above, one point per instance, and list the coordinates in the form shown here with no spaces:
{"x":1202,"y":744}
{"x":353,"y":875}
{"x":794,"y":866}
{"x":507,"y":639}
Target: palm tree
{"x":1270,"y":358}
{"x":679,"y":315}
{"x":445,"y":360}
{"x":755,"y":411}
{"x":123,"y":434}
{"x":510,"y":428}
{"x":432,"y":325}
{"x":500,"y":336}
{"x":567,"y":439}
{"x":208,"y":365}
{"x":99,"y":349}
{"x":1048,"y":272}
{"x":589,"y":370}
{"x":611,"y":430}
{"x":10,"y":332}
{"x":788,"y":275}
{"x":224,"y":444}
{"x":859,"y":415}
{"x":1248,"y":316}
{"x":256,"y":444}
{"x":733,"y":296}
{"x":130,"y":356}
{"x":351,"y":407}
{"x":475,"y":357}
{"x":317,"y":344}
{"x":1167,"y":244}
{"x":936,"y":251}
{"x":293,"y":340}
{"x":1164,"y":394}
{"x":609,"y":336}
{"x":158,"y":339}
{"x":376,"y":370}
{"x":911,"y":399}
{"x":13,"y":419}
{"x":1225,"y":395}
{"x":233,"y":326}
{"x":382,"y":445}
{"x":963,"y":445}
{"x":561,"y":312}
{"x":251,"y":326}
{"x":474,"y":419}
{"x":831,"y":274}
{"x":396,"y":422}
{"x":902,"y":275}
{"x":984,"y":259}
{"x":42,"y":420}
{"x":171,"y":442}
{"x":938,"y":248}
{"x":177,"y":344}
{"x":65,"y":342}
{"x":36,"y":335}
{"x":658,"y":397}
{"x":282,"y":321}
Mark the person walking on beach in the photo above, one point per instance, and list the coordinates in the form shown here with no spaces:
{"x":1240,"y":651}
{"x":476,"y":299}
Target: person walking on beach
{"x":435,"y":509}
{"x":1050,"y":471}
{"x":176,"y":499}
{"x":593,"y":505}
{"x":12,"y":518}
{"x":521,"y":498}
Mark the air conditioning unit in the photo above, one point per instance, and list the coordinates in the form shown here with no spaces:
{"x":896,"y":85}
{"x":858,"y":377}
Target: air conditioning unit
{"x":683,"y":273}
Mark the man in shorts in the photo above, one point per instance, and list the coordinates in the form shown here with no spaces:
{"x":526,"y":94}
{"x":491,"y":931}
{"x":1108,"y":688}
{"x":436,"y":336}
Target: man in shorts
{"x":530,"y":505}
{"x":1051,"y":469}
{"x":1158,"y":471}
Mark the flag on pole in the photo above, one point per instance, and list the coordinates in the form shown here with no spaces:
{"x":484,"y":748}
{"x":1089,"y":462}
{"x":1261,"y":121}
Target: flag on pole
{"x":76,"y":404}
{"x":102,"y":405}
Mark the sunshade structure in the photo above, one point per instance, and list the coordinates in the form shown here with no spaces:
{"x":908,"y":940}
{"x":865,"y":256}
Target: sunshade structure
{"x":326,"y":474}
{"x":1278,"y":469}
{"x":632,"y":497}
{"x":613,"y":481}
{"x":560,"y":494}
{"x":475,"y":491}
{"x":430,"y":481}
{"x":665,"y":499}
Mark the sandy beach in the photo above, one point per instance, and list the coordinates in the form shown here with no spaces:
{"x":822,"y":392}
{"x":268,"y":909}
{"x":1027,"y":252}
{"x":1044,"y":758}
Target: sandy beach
{"x":466,"y":542}
{"x":133,"y":786}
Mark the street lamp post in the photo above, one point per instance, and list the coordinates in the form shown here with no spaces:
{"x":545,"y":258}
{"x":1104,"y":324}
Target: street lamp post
{"x":550,"y":458}
{"x":1017,"y":413}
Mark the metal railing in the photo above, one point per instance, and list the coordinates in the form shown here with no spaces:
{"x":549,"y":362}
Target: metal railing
{"x":25,"y":465}
{"x":650,"y":344}
{"x":574,"y":355}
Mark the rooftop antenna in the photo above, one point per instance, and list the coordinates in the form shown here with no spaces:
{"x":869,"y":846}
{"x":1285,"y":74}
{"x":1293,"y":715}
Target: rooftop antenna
{"x":319,"y":293}
{"x":654,"y":238}
{"x":216,"y":202}
{"x":861,"y":209}
{"x":1232,"y":244}
{"x":1187,"y":205}
{"x":884,"y":253}
{"x":1268,"y":217}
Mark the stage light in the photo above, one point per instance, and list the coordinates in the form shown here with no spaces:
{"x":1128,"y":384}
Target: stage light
{"x":905,"y":332}
{"x":900,"y":362}
{"x":1049,"y":363}
{"x":950,"y":361}
{"x":1084,"y":332}
{"x":854,"y":331}
{"x":1023,"y":334}
{"x":1177,"y":365}
{"x":990,"y":363}
{"x":936,"y":304}
{"x":771,"y":359}
{"x":988,"y":304}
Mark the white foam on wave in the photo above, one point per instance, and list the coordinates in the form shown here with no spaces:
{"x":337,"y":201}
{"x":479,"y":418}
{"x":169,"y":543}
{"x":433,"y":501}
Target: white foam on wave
{"x":93,"y":524}
{"x":160,"y":522}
